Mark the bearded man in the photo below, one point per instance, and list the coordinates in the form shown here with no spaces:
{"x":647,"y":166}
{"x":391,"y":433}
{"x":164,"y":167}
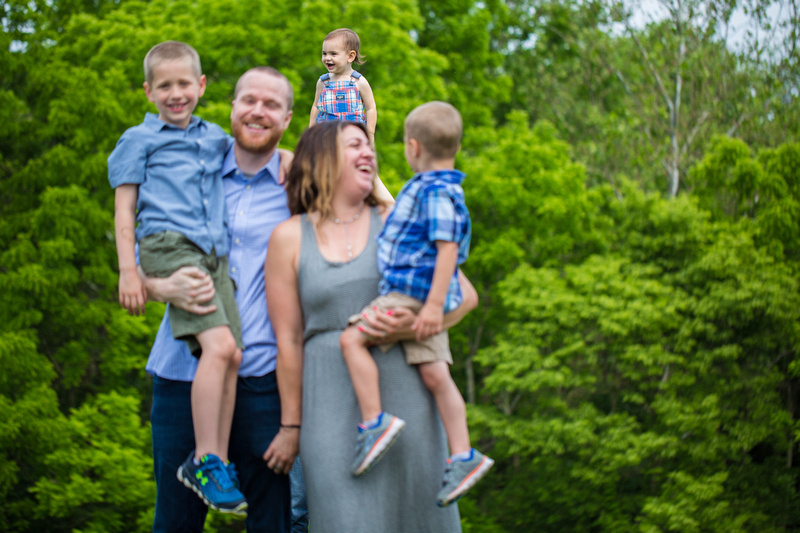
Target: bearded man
{"x":264,"y":440}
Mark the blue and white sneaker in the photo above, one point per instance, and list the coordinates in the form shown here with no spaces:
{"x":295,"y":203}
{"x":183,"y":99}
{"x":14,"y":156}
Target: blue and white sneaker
{"x":460,"y":476}
{"x":373,"y":443}
{"x":212,"y":482}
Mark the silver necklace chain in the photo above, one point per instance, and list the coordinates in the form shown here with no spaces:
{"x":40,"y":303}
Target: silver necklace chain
{"x":347,"y":231}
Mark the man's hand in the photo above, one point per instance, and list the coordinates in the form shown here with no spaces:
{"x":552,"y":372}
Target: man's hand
{"x":132,"y":295}
{"x":429,"y":321}
{"x":286,"y":158}
{"x":188,"y":288}
{"x":283,"y":450}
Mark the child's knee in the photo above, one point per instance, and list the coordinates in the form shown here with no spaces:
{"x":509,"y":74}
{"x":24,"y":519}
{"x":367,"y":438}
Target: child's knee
{"x":435,"y":375}
{"x":236,"y":360}
{"x":223,"y":347}
{"x":351,"y":338}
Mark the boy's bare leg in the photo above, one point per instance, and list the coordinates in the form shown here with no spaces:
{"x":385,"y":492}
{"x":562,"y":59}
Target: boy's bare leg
{"x":452,"y":410}
{"x":228,"y":403}
{"x":363,"y":372}
{"x":209,"y":390}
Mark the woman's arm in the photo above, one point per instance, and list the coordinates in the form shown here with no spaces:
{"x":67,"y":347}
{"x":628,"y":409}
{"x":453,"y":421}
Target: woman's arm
{"x":286,"y":316}
{"x":383,"y":194}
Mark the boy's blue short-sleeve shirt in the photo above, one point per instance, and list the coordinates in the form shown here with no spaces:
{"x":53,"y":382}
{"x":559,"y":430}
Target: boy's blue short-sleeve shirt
{"x":430,"y":207}
{"x":178,"y":172}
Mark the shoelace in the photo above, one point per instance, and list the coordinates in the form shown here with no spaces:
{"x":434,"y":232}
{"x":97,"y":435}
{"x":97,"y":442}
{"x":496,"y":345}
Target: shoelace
{"x":448,"y":467}
{"x":216,"y":470}
{"x":233,"y":474}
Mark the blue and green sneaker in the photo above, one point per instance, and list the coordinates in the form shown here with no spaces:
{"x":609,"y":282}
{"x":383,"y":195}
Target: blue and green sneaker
{"x":212,"y":482}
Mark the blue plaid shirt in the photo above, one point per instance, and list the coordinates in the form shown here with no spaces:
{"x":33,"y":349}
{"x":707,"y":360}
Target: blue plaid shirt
{"x":429,"y":208}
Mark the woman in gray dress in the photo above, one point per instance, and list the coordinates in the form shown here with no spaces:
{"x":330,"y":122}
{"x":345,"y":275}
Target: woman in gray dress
{"x":321,"y":268}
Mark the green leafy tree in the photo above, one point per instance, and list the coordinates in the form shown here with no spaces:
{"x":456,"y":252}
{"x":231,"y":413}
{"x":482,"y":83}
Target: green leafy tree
{"x":636,"y":382}
{"x":641,"y":95}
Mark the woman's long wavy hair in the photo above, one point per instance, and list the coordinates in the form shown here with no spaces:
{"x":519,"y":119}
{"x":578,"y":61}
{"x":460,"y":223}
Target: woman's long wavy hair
{"x":315,"y":171}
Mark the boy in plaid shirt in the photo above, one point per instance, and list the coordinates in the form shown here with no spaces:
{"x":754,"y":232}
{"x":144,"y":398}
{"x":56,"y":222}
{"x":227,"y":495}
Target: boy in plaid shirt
{"x":423,"y":241}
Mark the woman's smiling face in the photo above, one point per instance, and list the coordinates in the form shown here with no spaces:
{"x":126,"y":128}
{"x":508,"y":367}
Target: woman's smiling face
{"x":357,"y":169}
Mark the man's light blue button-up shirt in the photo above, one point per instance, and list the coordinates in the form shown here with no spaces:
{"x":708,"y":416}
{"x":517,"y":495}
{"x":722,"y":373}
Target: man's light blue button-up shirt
{"x":255,"y":207}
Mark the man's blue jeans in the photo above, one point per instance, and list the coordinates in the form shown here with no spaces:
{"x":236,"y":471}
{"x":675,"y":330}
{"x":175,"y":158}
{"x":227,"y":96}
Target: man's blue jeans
{"x":299,"y":504}
{"x":256,"y":421}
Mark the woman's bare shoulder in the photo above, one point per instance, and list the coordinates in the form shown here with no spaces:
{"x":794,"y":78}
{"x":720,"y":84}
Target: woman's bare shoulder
{"x":287,"y":231}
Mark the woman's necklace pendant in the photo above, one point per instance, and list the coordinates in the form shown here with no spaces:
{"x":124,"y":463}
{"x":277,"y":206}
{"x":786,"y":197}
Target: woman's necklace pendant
{"x":347,"y":232}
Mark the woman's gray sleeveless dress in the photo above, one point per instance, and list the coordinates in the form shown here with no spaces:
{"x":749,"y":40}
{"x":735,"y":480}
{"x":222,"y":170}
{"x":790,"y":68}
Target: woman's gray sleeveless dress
{"x":399,"y":494}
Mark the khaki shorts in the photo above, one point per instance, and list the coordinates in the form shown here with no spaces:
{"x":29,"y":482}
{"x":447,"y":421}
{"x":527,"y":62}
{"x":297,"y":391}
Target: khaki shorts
{"x":435,"y":348}
{"x":163,"y":253}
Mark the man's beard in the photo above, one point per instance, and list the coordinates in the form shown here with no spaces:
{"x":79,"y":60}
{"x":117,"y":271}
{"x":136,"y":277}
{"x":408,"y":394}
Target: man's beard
{"x":260,"y":145}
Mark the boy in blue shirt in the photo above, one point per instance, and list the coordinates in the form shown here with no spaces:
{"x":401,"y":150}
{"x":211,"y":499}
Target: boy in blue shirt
{"x":169,"y":198}
{"x":423,"y":241}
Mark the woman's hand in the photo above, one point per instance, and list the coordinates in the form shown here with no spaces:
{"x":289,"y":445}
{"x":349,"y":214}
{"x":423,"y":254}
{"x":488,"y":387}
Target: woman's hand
{"x":188,"y":288}
{"x":389,"y":326}
{"x":395,"y":325}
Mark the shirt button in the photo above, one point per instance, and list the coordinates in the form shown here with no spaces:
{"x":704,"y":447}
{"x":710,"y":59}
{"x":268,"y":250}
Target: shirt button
{"x":205,"y":201}
{"x":241,"y":213}
{"x":248,"y":187}
{"x":237,"y":241}
{"x":233,"y":269}
{"x":202,"y":161}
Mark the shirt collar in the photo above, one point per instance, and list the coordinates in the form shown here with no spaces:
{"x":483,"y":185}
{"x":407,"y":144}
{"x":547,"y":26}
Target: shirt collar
{"x":230,"y":168}
{"x":447,"y":176}
{"x":152,"y":121}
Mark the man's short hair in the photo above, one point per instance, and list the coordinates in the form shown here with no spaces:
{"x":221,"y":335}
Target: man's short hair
{"x":437,"y":127}
{"x":350,"y":40}
{"x":170,"y":51}
{"x":270,"y":72}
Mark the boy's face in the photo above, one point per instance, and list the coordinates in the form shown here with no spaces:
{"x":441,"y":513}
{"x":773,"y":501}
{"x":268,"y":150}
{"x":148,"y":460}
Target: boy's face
{"x":335,"y":58}
{"x":175,"y":89}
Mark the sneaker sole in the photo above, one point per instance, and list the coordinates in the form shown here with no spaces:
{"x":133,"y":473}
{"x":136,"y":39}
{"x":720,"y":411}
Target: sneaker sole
{"x":381,"y":446}
{"x":240,"y":510}
{"x":473,"y":477}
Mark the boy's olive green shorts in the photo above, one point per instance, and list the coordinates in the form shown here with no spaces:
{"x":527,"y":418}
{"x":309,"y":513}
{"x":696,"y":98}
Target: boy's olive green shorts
{"x":163,"y":253}
{"x":435,"y":348}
